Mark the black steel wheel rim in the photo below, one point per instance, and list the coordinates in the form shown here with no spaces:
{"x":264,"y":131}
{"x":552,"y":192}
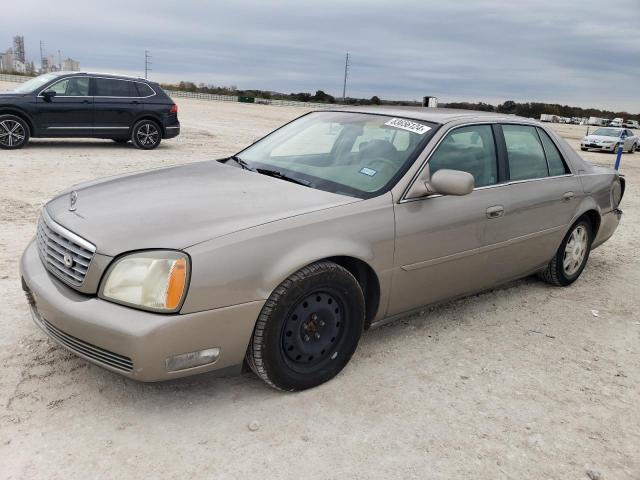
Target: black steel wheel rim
{"x":147,"y":134}
{"x":313,"y":331}
{"x":12,"y":133}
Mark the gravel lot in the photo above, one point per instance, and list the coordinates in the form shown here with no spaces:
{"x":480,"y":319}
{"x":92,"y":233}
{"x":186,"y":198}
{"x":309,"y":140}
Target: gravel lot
{"x":526,"y":381}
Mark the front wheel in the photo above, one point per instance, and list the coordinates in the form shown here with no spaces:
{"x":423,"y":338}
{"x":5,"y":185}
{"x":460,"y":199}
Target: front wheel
{"x":308,"y":329}
{"x":571,"y":258}
{"x":14,"y":132}
{"x":146,"y":135}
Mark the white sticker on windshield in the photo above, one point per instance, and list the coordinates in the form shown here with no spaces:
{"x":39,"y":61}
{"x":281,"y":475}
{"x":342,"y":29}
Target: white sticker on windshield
{"x":408,"y":125}
{"x":368,"y":171}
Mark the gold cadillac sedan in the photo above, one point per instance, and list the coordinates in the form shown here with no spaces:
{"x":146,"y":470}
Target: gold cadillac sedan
{"x":279,"y":257}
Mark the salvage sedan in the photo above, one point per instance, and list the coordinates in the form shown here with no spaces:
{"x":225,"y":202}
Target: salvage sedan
{"x":610,"y":139}
{"x":278,"y":257}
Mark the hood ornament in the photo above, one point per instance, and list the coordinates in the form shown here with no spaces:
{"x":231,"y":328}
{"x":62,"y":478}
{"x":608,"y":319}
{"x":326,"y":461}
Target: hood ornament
{"x":73,"y":199}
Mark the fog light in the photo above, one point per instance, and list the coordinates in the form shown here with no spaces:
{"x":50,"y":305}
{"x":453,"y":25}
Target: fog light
{"x":192,"y":359}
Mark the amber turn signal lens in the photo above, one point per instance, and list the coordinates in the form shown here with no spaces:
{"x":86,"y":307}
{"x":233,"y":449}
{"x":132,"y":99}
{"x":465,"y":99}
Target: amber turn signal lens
{"x":177,"y":282}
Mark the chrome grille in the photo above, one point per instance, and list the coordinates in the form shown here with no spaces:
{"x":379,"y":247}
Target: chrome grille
{"x":63,"y":253}
{"x":98,"y":354}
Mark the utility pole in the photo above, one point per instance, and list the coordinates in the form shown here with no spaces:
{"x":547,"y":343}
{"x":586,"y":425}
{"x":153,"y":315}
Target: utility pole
{"x":59,"y":60}
{"x":147,"y":62}
{"x":41,"y":55}
{"x":347,"y":64}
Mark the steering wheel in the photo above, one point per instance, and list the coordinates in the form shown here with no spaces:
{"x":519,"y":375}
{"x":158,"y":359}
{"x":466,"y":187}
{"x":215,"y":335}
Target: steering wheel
{"x":383,"y":161}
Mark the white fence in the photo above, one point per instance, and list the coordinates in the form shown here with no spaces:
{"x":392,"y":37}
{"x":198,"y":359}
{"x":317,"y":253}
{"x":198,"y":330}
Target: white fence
{"x":205,"y":96}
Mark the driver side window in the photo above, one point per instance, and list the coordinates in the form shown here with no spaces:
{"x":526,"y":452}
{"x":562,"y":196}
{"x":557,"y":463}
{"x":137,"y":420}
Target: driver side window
{"x":469,"y":149}
{"x":71,"y":87}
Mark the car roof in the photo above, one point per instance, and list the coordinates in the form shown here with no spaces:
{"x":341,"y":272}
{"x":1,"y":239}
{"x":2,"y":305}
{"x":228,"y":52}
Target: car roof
{"x":435,"y":115}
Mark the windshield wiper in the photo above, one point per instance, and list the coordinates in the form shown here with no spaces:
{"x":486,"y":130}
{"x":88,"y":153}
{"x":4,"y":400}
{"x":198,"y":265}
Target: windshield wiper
{"x":241,"y":162}
{"x":282,"y":176}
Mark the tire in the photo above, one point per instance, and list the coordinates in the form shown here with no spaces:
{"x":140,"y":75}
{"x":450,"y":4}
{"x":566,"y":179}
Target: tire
{"x":557,"y":272}
{"x":146,"y":135}
{"x":584,"y":149}
{"x":632,"y":149}
{"x":308,"y":329}
{"x":14,"y":132}
{"x":120,"y":140}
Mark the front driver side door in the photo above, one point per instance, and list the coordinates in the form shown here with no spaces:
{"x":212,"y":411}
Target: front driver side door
{"x":441,"y":240}
{"x":69,"y":112}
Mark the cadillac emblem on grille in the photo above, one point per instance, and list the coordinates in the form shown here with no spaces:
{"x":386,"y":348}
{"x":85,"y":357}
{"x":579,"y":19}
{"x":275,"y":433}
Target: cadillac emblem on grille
{"x":68,"y":260}
{"x":73,"y":199}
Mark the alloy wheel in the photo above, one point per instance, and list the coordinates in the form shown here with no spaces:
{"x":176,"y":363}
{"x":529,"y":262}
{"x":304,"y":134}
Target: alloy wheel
{"x":147,"y":134}
{"x":12,"y":133}
{"x":575,"y":250}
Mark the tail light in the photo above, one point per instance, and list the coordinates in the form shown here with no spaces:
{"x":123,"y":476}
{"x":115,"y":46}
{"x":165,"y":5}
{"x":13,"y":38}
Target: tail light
{"x":173,"y":109}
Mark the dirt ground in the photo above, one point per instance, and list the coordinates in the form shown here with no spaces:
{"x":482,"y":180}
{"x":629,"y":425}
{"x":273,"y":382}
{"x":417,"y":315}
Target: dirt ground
{"x":523,"y":382}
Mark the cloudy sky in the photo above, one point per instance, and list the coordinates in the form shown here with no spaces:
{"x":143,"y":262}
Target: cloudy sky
{"x":579,"y":52}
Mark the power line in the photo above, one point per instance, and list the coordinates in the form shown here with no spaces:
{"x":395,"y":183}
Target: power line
{"x":347,"y":64}
{"x":147,"y":62}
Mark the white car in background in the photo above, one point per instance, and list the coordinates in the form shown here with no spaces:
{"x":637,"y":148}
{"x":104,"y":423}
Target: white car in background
{"x":608,"y":139}
{"x":631,"y":124}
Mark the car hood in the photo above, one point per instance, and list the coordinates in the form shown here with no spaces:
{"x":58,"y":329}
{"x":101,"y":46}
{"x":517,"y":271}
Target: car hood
{"x":177,"y":207}
{"x":599,"y":138}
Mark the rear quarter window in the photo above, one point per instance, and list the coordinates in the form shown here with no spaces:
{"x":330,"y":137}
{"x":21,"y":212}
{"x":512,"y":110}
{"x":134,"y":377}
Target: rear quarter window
{"x":144,"y":90}
{"x":556,"y":163}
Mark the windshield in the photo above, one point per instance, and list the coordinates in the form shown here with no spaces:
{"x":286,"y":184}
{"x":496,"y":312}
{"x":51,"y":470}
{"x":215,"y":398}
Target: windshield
{"x":608,"y":132}
{"x":348,"y":153}
{"x":34,"y":83}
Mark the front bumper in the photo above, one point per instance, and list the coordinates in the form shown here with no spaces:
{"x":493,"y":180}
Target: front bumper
{"x":133,"y":342}
{"x":593,"y":146}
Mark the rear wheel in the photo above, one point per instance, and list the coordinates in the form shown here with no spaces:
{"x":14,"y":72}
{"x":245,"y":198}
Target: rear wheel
{"x":583,"y":149}
{"x":308,"y":329}
{"x":146,"y":135}
{"x":14,"y":132}
{"x":571,"y":257}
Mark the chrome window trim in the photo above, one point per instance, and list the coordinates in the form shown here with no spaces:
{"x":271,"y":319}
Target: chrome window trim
{"x":417,"y":175}
{"x":95,"y":96}
{"x":68,"y":233}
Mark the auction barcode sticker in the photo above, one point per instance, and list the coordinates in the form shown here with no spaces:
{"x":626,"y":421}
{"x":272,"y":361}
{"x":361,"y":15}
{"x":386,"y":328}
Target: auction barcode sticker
{"x":408,"y":125}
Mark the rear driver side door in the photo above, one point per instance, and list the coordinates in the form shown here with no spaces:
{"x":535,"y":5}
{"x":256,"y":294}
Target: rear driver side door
{"x":117,"y":105}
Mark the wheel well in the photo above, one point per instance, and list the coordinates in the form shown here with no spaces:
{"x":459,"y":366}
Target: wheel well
{"x":368,"y":281}
{"x":152,"y":118}
{"x":594,"y":218}
{"x":18,"y":113}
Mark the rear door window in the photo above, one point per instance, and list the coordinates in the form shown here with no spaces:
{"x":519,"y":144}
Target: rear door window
{"x":107,"y":87}
{"x":526,"y":155}
{"x":469,"y":149}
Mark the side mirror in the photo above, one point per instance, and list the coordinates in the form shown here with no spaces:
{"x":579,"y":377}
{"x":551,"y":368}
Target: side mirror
{"x":48,"y":95}
{"x":443,"y":182}
{"x":451,"y":182}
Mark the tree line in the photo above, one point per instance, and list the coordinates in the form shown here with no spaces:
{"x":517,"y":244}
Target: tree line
{"x":526,"y":109}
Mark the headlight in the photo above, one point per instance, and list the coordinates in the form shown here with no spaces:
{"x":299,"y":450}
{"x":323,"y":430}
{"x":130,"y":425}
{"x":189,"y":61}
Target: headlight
{"x":155,"y":280}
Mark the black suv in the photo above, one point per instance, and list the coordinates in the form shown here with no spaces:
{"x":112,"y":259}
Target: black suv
{"x":91,"y":105}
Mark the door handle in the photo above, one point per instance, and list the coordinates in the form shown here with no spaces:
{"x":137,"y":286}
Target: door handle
{"x":85,"y":101}
{"x":567,"y":196}
{"x":495,"y":211}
